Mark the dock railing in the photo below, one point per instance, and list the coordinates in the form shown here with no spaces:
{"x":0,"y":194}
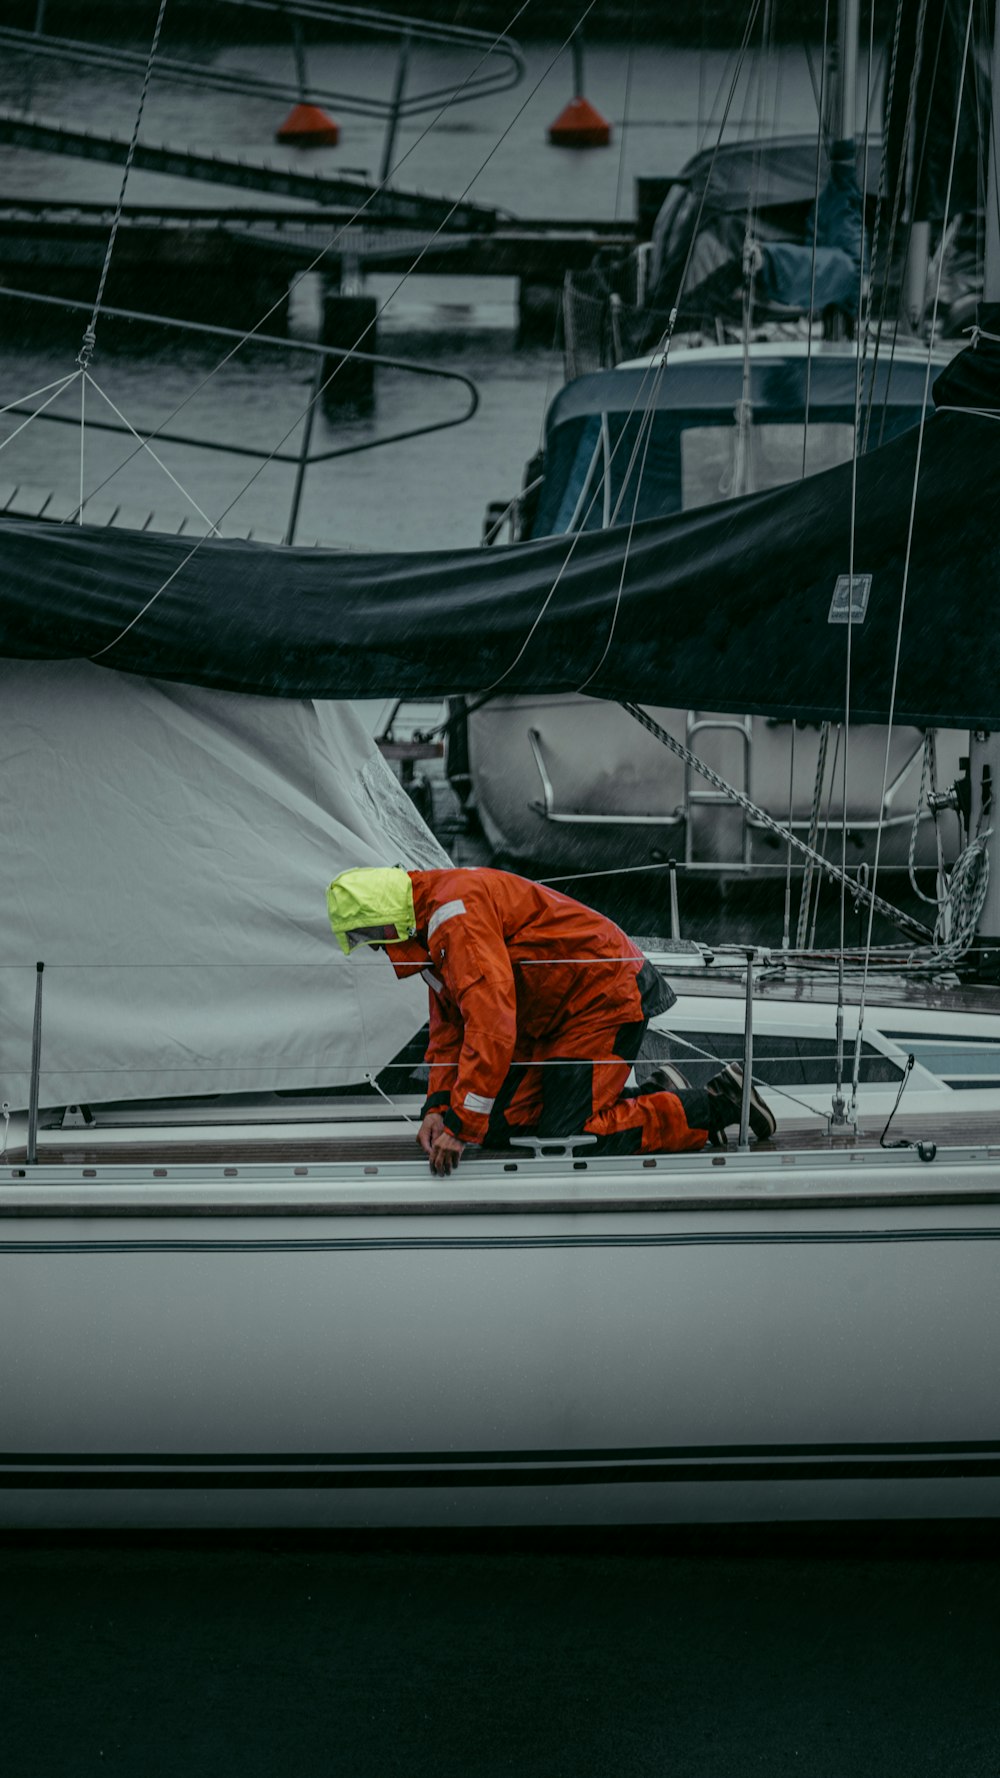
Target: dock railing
{"x":500,"y":66}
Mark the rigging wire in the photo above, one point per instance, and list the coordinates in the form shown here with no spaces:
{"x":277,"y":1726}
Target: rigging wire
{"x":995,"y":168}
{"x":864,"y":296}
{"x":838,"y":1101}
{"x":786,"y":933}
{"x":904,"y":921}
{"x":876,"y":227}
{"x":57,"y":387}
{"x":826,"y":832}
{"x":909,"y":541}
{"x":917,"y":172}
{"x":813,"y":830}
{"x":83,"y":436}
{"x":743,"y":476}
{"x":928,"y":771}
{"x":659,"y":358}
{"x":327,"y":381}
{"x":653,"y":374}
{"x":821,"y":106}
{"x":327,"y":248}
{"x":90,"y":331}
{"x":88,"y":378}
{"x":625,"y":114}
{"x":640,"y":449}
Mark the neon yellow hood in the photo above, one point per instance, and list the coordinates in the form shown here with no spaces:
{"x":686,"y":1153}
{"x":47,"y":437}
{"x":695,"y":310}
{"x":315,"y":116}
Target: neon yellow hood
{"x":371,"y":897}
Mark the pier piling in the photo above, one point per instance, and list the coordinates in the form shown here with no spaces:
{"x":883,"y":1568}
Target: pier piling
{"x":348,"y":321}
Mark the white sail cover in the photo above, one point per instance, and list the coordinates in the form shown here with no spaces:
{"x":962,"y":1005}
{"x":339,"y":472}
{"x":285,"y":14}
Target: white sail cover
{"x":164,"y":851}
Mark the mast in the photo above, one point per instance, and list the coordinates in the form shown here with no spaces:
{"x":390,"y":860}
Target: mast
{"x":848,"y":25}
{"x":984,"y":744}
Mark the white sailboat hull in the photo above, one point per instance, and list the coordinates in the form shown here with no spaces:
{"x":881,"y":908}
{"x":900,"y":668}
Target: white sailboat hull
{"x":685,"y":1339}
{"x":576,"y":783}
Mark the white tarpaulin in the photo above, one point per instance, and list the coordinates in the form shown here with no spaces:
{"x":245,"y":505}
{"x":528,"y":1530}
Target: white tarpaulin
{"x":164,"y":851}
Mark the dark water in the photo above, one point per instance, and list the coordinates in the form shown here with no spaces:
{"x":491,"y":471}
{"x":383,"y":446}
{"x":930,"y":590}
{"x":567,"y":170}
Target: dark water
{"x":371,"y":1660}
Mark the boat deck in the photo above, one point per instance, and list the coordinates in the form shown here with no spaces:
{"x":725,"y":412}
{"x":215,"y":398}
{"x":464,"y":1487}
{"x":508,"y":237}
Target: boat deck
{"x":286,"y":1148}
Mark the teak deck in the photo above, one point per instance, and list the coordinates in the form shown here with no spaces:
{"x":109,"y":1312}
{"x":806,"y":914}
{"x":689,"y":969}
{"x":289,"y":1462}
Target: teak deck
{"x":945,"y":1129}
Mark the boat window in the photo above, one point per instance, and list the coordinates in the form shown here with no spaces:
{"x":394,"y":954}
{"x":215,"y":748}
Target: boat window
{"x":783,"y":1061}
{"x":575,"y":496}
{"x":708,"y":456}
{"x":960,"y":1062}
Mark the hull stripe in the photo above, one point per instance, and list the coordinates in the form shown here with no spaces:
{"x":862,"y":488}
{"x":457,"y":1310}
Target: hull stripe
{"x":919,"y":1462}
{"x":502,"y":1243}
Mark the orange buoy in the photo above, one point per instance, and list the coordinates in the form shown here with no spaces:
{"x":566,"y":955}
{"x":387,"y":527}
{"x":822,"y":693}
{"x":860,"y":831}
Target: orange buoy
{"x":580,"y":126}
{"x":308,"y":127}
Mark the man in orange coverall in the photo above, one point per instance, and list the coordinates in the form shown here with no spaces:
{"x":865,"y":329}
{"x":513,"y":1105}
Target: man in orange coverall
{"x":538,"y":1006}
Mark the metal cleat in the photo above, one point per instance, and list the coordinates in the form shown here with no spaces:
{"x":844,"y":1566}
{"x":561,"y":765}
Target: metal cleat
{"x":543,"y":1147}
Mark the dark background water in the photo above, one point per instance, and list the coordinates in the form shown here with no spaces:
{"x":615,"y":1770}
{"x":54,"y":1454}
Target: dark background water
{"x":716,"y":1657}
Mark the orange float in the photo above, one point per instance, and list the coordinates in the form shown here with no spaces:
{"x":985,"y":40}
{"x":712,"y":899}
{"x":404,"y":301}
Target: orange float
{"x":306,"y":126}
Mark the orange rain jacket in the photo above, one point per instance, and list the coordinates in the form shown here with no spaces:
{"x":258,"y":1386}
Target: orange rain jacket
{"x":516,"y":972}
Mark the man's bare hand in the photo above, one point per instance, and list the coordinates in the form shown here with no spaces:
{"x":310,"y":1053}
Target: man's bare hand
{"x":446,"y":1152}
{"x":430,"y":1130}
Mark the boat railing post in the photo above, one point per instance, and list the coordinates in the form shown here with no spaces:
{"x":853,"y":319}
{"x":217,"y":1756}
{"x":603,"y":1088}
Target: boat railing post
{"x":675,"y":912}
{"x":747,"y":1056}
{"x":36,"y":1067}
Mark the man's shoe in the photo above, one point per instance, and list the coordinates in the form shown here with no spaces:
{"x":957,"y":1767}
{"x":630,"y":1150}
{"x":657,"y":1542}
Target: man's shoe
{"x":666,"y":1078}
{"x":725,"y":1105}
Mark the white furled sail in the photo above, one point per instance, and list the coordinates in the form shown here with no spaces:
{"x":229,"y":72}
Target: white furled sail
{"x":165,"y":854}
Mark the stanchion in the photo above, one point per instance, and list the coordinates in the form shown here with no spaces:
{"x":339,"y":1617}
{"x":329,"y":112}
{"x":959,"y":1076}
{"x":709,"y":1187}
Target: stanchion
{"x":744,"y":1142}
{"x":36,"y":1067}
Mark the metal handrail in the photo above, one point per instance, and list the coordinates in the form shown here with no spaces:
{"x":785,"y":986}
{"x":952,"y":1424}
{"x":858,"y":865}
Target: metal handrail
{"x":576,"y":818}
{"x":743,"y":727}
{"x":303,"y":457}
{"x":174,"y":68}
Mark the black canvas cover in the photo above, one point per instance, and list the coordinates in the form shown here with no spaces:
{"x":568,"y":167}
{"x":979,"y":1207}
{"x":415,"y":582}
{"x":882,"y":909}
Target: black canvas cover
{"x":726,"y":607}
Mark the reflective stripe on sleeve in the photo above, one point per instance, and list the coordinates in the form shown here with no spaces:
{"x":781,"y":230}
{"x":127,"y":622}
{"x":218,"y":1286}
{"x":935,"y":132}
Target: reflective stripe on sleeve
{"x":432,"y":980}
{"x":446,"y":912}
{"x":478,"y":1102}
